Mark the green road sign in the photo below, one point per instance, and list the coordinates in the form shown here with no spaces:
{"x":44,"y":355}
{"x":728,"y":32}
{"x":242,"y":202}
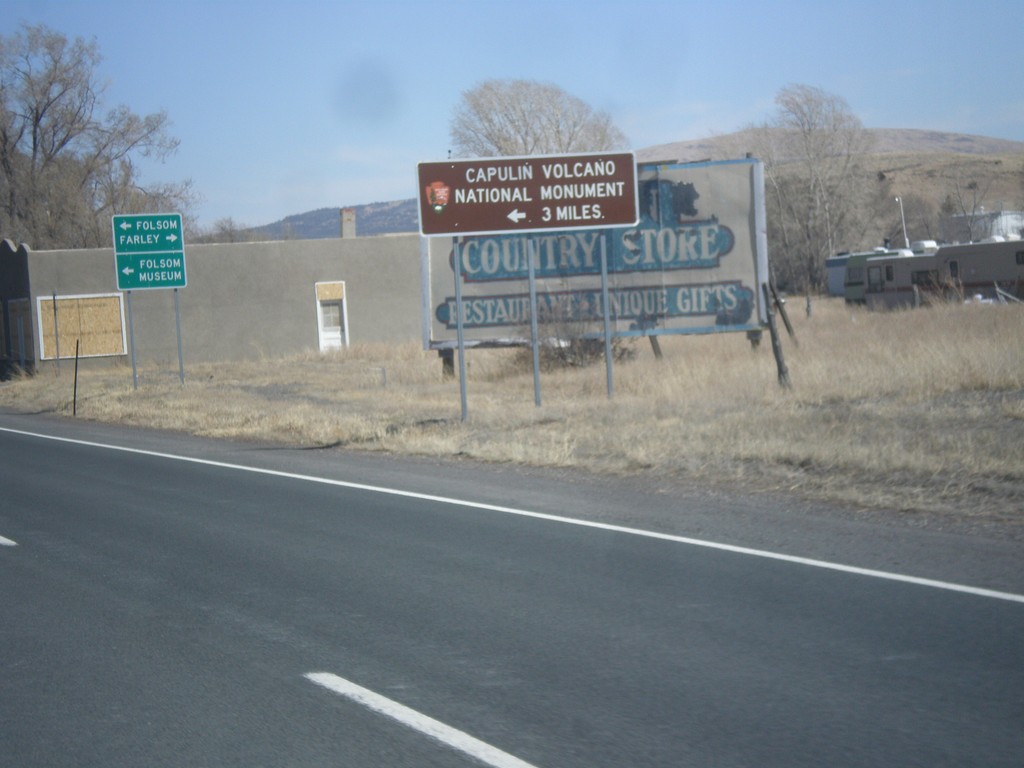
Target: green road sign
{"x":149,"y":251}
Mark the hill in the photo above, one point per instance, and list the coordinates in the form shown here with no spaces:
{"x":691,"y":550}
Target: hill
{"x":371,"y":219}
{"x":887,"y":141}
{"x":919,"y":163}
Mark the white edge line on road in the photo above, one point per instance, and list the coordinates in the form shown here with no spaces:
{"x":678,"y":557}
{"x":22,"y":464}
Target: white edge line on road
{"x":949,"y":586}
{"x":7,"y":542}
{"x":435,"y":729}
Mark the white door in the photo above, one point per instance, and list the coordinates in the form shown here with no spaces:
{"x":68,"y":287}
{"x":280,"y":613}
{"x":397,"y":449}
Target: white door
{"x":332,"y":325}
{"x":331,"y":315}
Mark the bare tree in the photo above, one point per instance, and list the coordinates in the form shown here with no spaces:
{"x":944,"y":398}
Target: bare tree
{"x":523,"y":117}
{"x":226,"y":230}
{"x":819,"y":196}
{"x":65,"y":167}
{"x":1021,"y":190}
{"x":963,"y":209}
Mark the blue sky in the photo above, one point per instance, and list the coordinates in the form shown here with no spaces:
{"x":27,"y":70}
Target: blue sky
{"x":285,"y":107}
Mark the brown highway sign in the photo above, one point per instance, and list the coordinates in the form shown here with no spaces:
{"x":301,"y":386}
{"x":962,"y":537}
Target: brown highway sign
{"x":534,"y":193}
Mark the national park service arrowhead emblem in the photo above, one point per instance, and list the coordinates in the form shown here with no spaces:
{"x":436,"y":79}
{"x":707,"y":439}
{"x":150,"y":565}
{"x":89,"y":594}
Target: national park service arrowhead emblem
{"x":438,"y":194}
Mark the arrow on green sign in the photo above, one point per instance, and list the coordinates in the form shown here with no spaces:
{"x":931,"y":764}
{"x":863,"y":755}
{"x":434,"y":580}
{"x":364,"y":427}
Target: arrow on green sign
{"x":147,"y":233}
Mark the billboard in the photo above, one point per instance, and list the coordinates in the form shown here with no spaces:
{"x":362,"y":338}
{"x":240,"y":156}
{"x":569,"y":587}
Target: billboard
{"x":693,"y":263}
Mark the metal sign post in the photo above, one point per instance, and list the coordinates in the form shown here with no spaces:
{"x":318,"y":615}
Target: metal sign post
{"x":177,"y":327}
{"x":56,"y":331}
{"x":131,"y":340}
{"x":534,"y":340}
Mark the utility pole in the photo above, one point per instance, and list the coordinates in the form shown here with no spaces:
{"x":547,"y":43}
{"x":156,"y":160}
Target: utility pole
{"x":903,"y":219}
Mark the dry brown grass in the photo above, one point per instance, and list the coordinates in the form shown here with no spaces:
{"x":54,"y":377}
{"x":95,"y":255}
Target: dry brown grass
{"x":918,"y":410}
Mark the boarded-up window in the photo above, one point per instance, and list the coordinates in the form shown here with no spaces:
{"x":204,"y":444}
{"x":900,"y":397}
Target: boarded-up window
{"x":95,"y":323}
{"x":334,"y":291}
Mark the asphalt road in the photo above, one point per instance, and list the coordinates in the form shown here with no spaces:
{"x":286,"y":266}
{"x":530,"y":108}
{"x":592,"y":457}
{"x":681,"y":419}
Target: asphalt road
{"x":195,"y":603}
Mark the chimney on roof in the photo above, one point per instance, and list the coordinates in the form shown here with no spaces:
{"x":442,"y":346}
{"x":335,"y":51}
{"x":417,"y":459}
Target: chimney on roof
{"x":348,"y":222}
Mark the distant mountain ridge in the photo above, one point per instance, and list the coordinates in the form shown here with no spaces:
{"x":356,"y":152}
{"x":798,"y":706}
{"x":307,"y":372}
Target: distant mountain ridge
{"x":371,"y":219}
{"x":401,"y":216}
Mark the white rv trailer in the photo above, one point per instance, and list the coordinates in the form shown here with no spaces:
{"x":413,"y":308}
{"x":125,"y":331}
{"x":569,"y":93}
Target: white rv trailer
{"x":953,"y":272}
{"x":847,"y":273}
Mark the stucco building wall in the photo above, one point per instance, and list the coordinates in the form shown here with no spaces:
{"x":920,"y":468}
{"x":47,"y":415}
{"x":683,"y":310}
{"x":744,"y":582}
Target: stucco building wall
{"x":242,"y":300}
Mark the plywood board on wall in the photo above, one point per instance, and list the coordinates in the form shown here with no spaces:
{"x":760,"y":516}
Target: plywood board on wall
{"x":95,"y":323}
{"x":333,"y":291}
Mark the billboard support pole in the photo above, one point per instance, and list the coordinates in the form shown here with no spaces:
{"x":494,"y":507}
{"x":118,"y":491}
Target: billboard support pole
{"x":534,"y":340}
{"x":607,"y":315}
{"x":773,"y":329}
{"x":459,"y":326}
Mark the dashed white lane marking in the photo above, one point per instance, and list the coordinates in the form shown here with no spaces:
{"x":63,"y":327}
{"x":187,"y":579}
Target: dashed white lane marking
{"x":435,"y":729}
{"x":823,"y":564}
{"x":7,"y":542}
